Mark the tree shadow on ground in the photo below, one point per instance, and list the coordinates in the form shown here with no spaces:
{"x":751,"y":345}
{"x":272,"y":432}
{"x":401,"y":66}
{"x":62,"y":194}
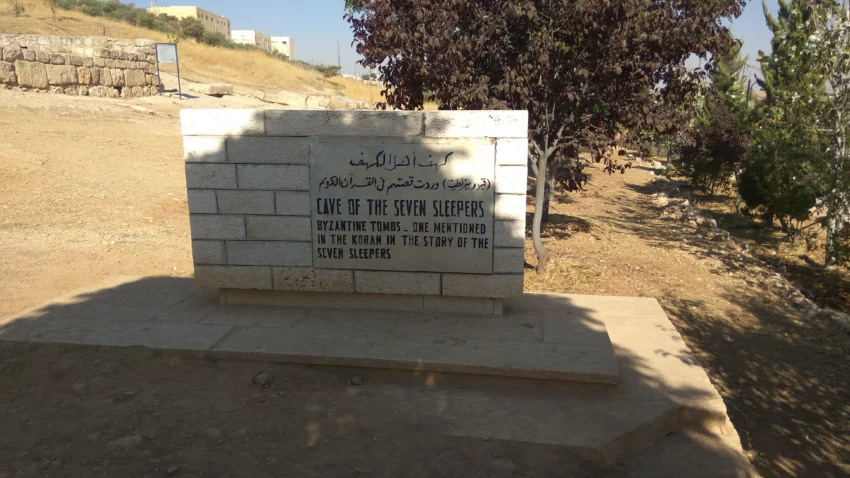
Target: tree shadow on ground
{"x":786,"y":383}
{"x":561,"y":226}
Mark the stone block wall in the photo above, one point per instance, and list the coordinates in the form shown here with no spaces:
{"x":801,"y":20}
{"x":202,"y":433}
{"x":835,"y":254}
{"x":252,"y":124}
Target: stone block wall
{"x":252,"y":193}
{"x":87,"y":66}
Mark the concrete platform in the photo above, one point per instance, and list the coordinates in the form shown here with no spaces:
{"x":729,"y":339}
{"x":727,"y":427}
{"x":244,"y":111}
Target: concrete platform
{"x":555,"y":345}
{"x":649,"y":408}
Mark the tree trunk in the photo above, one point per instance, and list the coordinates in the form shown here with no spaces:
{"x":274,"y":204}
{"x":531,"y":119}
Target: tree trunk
{"x":539,"y":207}
{"x":550,"y":196}
{"x":839,"y":204}
{"x":836,"y":217}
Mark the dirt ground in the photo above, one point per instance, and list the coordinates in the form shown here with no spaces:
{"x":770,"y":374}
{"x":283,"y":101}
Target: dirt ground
{"x":91,"y":188}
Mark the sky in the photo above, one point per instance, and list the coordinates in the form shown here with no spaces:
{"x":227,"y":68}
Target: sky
{"x":316,"y":25}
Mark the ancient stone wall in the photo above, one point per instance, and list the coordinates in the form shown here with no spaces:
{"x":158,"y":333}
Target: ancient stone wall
{"x":88,"y":66}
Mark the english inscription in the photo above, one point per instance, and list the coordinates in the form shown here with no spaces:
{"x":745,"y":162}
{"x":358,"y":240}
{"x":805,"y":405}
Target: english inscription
{"x":403,"y":207}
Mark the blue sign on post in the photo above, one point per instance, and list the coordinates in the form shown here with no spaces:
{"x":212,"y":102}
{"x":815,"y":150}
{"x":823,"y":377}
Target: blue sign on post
{"x":167,"y":53}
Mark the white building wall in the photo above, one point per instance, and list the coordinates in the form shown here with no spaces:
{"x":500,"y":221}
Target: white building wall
{"x":284,"y":45}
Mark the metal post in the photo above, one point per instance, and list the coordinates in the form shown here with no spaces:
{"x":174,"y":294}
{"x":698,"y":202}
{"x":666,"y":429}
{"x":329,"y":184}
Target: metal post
{"x":179,"y":86}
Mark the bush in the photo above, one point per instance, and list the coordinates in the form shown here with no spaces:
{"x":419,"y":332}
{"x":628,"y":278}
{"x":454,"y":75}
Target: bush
{"x":327,"y":71}
{"x":214,"y":38}
{"x":775,"y":182}
{"x":192,"y":28}
{"x":128,"y":13}
{"x":715,"y":148}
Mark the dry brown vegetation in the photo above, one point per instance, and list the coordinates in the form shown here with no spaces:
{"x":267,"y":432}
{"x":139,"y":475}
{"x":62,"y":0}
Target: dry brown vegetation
{"x":251,"y":68}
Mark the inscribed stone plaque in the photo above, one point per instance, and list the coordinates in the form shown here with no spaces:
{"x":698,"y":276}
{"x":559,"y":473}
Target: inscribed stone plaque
{"x":403,"y":206}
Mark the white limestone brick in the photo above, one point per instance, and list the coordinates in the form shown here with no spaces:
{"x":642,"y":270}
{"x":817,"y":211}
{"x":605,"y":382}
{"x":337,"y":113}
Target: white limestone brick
{"x":478,"y":285}
{"x":508,"y":260}
{"x":292,"y":203}
{"x":343,"y":123}
{"x":511,"y":179}
{"x":208,"y":252}
{"x":279,"y":228}
{"x":509,"y":233}
{"x":245,"y":202}
{"x":232,"y":277}
{"x":263,"y":176}
{"x":512,"y":151}
{"x":222,"y":122}
{"x":258,"y":149}
{"x":217,"y":227}
{"x":380,"y":282}
{"x":313,"y":280}
{"x":510,"y":207}
{"x":210,"y":176}
{"x":204,"y":149}
{"x":472,"y":124}
{"x":269,"y":253}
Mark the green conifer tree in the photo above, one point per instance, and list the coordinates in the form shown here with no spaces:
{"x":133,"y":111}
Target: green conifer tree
{"x":779,"y":175}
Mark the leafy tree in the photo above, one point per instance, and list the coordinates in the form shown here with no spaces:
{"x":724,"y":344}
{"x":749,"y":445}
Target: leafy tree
{"x":715,"y":146}
{"x":192,"y":28}
{"x":584,"y":70}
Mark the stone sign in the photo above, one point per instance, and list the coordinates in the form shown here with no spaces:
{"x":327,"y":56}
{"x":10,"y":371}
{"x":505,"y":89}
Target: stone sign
{"x":403,"y":206}
{"x":402,"y":210}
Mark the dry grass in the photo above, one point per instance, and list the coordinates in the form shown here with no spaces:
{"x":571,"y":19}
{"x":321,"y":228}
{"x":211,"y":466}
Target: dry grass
{"x":247,"y":68}
{"x":358,"y":90}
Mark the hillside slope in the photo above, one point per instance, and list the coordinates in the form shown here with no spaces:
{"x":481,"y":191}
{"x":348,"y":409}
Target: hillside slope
{"x":197,"y":62}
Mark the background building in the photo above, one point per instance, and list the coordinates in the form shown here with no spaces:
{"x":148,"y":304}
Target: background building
{"x":254,"y":38}
{"x":212,"y":22}
{"x":284,"y":45}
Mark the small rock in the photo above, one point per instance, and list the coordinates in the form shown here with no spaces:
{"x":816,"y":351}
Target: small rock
{"x":262,"y":379}
{"x":356,"y":381}
{"x":213,"y":433}
{"x":172,"y":470}
{"x":692,"y":223}
{"x":797,"y":299}
{"x":127,"y":442}
{"x":840,"y":319}
{"x":661,"y":202}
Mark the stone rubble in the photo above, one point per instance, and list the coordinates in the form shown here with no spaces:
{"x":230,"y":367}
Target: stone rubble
{"x":676,"y":204}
